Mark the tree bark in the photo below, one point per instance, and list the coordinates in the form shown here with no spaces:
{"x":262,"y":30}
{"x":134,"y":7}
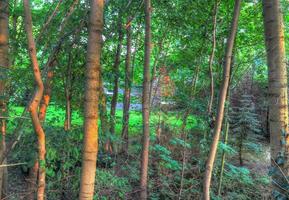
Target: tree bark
{"x":90,"y":143}
{"x":146,"y":103}
{"x":116,"y":79}
{"x":222,"y":99}
{"x":274,"y":36}
{"x":223,"y":159}
{"x":68,"y":96}
{"x":4,"y":67}
{"x":277,"y":94}
{"x":127,"y":91}
{"x":211,"y":60}
{"x":104,"y":117}
{"x":34,"y":103}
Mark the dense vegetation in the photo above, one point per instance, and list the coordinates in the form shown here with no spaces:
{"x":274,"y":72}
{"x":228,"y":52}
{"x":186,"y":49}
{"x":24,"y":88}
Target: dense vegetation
{"x":144,"y":99}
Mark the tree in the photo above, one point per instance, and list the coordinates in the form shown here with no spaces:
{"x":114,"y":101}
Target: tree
{"x":127,"y":90}
{"x":34,"y":103}
{"x":90,"y":143}
{"x":146,"y":103}
{"x":211,"y":60}
{"x":67,"y":91}
{"x":244,"y":121}
{"x":278,"y":106}
{"x":222,"y":100}
{"x":4,"y":66}
{"x":116,"y":81}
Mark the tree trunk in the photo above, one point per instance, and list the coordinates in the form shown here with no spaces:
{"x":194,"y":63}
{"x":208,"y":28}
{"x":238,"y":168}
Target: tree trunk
{"x":4,"y":66}
{"x":223,"y":159}
{"x":47,"y":93}
{"x":34,"y":103}
{"x":67,"y":16}
{"x":241,"y":149}
{"x":127,"y":91}
{"x":103,"y":117}
{"x":44,"y":27}
{"x":211,"y":60}
{"x":278,"y":105}
{"x":68,"y":79}
{"x":90,"y":143}
{"x":222,"y":99}
{"x":146,"y":103}
{"x":116,"y":78}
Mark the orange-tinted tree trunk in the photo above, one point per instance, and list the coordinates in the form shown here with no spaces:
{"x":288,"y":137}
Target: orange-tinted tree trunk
{"x":146,"y":104}
{"x":4,"y":66}
{"x":222,"y":100}
{"x":90,"y":143}
{"x":127,"y":91}
{"x":34,"y":103}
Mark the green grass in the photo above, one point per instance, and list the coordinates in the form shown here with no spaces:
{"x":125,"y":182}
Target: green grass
{"x":56,"y":115}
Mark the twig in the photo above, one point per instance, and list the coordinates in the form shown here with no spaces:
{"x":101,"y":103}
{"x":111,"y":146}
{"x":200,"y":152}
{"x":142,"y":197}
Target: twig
{"x":280,"y":170}
{"x":13,"y":164}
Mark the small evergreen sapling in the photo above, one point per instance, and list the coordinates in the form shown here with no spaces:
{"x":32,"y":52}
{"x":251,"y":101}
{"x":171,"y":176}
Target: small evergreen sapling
{"x":244,"y":122}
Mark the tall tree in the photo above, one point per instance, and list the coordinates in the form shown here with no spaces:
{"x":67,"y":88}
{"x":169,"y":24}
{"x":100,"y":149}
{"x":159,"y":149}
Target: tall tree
{"x":4,"y":66}
{"x":90,"y":143}
{"x":68,"y":95}
{"x":34,"y":103}
{"x":116,"y":78}
{"x":127,"y":90}
{"x":278,"y":105}
{"x":222,"y":100}
{"x":146,"y":103}
{"x":212,"y":56}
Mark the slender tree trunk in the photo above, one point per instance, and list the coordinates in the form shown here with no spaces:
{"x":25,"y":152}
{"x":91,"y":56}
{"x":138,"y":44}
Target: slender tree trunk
{"x":278,"y":107}
{"x":90,"y":143}
{"x":43,"y":29}
{"x":146,"y":104}
{"x":241,"y":149}
{"x":154,"y":71}
{"x":116,"y":79}
{"x":4,"y":66}
{"x":212,"y":56}
{"x":68,"y":14}
{"x":184,"y":132}
{"x":47,"y":93}
{"x":222,"y":99}
{"x":48,"y":82}
{"x":103,"y":116}
{"x":68,"y":79}
{"x":127,"y":91}
{"x":223,"y":159}
{"x":34,"y":103}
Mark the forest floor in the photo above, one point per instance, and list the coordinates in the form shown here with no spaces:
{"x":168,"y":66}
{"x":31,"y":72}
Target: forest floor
{"x":256,"y":162}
